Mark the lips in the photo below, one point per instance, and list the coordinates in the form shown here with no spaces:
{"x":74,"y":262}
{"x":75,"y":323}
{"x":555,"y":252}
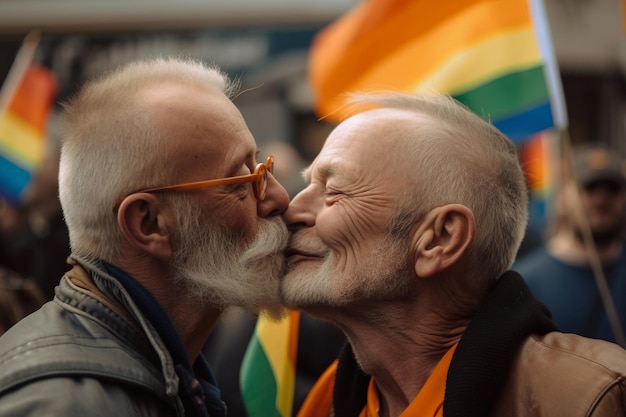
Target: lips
{"x":303,"y":247}
{"x":294,"y":255}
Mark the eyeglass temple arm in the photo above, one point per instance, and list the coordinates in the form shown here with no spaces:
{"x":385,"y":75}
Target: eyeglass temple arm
{"x":200,"y":184}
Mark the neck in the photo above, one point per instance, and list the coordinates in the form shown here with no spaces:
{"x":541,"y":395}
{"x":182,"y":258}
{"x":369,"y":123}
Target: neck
{"x":192,"y":321}
{"x":569,"y":249}
{"x":399,"y":345}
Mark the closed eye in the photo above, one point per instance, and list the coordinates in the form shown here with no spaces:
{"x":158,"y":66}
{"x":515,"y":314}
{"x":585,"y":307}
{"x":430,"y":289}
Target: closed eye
{"x":332,"y":196}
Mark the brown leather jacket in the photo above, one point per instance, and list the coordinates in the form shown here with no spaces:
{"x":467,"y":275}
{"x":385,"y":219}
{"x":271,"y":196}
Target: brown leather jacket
{"x":591,"y":379}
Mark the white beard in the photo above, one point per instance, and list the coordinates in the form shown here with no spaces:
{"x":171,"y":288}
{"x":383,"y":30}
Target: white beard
{"x":218,"y":270}
{"x":327,"y":282}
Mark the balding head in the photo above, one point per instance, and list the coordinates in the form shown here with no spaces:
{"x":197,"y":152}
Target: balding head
{"x":447,"y":154}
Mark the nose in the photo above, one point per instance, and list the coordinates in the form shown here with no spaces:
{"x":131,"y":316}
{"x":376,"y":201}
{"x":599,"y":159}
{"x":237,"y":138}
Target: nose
{"x":276,"y":199}
{"x":301,"y":212}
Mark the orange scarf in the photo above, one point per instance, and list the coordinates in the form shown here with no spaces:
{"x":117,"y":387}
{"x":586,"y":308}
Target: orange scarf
{"x":427,"y":403}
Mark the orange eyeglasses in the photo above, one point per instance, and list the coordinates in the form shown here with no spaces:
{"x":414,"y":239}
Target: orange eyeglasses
{"x":258,"y":177}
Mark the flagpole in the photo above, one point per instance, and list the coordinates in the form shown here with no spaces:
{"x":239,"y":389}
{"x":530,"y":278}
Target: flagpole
{"x":20,"y":64}
{"x":590,"y":247}
{"x":550,"y":64}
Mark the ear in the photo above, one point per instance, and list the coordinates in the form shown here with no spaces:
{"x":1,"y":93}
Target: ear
{"x":145,"y":225}
{"x":442,"y":238}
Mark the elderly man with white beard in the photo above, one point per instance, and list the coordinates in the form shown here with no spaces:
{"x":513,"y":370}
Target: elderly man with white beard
{"x":171,"y":221}
{"x":412,"y":215}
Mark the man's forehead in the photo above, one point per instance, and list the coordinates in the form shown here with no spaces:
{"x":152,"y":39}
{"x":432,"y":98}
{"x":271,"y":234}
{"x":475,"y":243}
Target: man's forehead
{"x":338,"y":158}
{"x":320,"y":168}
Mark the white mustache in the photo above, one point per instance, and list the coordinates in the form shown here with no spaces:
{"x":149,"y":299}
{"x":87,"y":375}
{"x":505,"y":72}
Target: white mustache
{"x":307,"y":245}
{"x":272,"y":238}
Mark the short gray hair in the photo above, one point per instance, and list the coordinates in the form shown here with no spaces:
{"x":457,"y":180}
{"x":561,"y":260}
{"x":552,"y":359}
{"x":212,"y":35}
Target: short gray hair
{"x":461,"y":159}
{"x":110,"y":146}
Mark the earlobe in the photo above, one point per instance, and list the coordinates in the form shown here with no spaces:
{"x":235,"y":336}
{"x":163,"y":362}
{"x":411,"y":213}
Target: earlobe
{"x":442,"y":238}
{"x":143,"y":223}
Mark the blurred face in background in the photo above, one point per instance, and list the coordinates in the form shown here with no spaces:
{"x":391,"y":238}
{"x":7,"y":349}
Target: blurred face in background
{"x":604,"y":205}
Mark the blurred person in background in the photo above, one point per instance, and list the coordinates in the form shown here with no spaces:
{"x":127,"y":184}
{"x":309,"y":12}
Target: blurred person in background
{"x":559,"y":272}
{"x":171,"y":220}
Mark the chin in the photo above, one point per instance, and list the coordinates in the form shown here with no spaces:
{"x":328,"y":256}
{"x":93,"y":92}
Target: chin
{"x":308,"y":291}
{"x":289,"y":290}
{"x":298,"y":289}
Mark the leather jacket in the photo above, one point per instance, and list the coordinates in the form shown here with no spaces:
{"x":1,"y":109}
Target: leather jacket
{"x":95,"y":355}
{"x":591,"y":379}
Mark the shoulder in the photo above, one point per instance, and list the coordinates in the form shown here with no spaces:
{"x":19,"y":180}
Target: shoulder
{"x":567,"y":374}
{"x":604,"y":358}
{"x":54,"y":343}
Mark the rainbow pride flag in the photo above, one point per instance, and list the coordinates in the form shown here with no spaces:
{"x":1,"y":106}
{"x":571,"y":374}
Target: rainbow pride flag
{"x":268,"y":372}
{"x":23,"y":131}
{"x":495,"y":56}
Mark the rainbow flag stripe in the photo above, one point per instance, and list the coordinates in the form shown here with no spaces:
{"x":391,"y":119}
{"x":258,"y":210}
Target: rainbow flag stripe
{"x":485,"y":53}
{"x":268,"y":368}
{"x":22,"y":131}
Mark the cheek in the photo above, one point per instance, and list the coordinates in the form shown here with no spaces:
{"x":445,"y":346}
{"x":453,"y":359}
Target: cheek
{"x":238,"y":217}
{"x":244,"y":225}
{"x":351,"y":222}
{"x":334,"y":227}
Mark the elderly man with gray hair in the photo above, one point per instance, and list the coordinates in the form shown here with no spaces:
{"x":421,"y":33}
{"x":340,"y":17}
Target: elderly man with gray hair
{"x":412,"y":215}
{"x":171,"y":220}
